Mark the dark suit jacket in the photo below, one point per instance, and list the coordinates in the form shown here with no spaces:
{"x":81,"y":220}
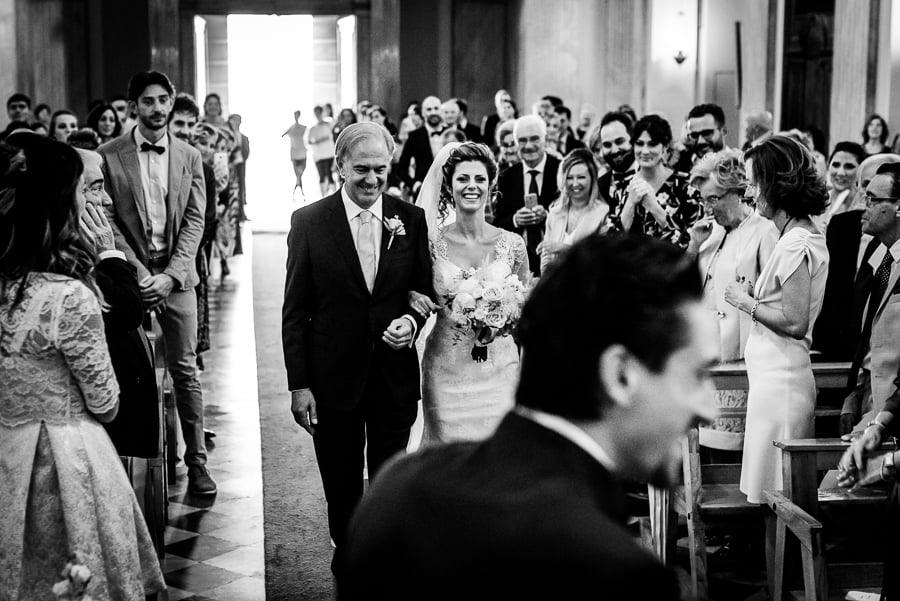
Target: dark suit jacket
{"x":135,"y":430}
{"x":473,"y":132}
{"x":837,"y":329}
{"x":489,"y":129}
{"x":571,"y":144}
{"x":525,"y":514}
{"x":331,"y":324}
{"x":417,"y":147}
{"x":209,"y":217}
{"x":185,"y":206}
{"x":511,"y":186}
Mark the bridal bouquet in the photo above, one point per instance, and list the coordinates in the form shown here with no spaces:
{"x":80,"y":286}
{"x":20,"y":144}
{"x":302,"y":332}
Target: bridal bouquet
{"x":489,"y":302}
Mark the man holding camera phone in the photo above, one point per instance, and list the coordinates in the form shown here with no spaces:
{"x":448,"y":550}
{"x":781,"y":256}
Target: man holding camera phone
{"x":528,"y":188}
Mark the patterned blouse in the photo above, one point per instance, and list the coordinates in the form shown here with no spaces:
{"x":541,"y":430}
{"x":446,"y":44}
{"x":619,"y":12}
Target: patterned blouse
{"x":680,"y":201}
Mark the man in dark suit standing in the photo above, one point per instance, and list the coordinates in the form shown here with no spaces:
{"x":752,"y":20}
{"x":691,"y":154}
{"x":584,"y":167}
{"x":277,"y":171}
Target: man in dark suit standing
{"x":537,"y":511}
{"x":528,"y":188}
{"x":157,"y":213}
{"x":567,"y":139}
{"x":422,"y":145}
{"x":472,"y":131}
{"x":347,"y":330}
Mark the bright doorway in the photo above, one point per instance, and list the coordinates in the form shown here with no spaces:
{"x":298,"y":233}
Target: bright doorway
{"x":265,"y":67}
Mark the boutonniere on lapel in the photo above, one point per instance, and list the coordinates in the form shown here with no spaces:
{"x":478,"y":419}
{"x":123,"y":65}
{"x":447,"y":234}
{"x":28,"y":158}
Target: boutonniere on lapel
{"x":395,"y":228}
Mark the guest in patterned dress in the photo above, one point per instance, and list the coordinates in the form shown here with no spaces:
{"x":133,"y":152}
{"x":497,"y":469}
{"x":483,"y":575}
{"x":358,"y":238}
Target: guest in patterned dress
{"x":64,"y":489}
{"x":655,"y":201}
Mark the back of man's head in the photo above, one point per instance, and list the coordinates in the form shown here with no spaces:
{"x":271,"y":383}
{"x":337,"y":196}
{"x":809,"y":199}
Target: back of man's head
{"x":141,"y":81}
{"x":708,"y":108}
{"x":869,"y":167}
{"x":606,"y":290}
{"x":891,"y":170}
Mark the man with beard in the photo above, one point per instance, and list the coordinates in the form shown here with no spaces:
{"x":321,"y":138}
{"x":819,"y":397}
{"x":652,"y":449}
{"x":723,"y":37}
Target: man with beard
{"x":537,"y":510}
{"x":422,"y":145}
{"x":158,"y":196}
{"x":612,"y":143}
{"x":706,"y":130}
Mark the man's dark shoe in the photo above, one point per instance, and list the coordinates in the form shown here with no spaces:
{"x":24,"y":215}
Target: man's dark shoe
{"x":199,"y":481}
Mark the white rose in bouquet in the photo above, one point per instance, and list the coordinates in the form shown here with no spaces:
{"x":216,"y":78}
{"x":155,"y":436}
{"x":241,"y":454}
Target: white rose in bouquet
{"x":495,"y":319}
{"x":493,"y":292}
{"x":496,"y":272}
{"x":469,"y":286}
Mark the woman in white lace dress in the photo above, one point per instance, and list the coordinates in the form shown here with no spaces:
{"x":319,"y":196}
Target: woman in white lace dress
{"x":463,"y":399}
{"x":63,"y":486}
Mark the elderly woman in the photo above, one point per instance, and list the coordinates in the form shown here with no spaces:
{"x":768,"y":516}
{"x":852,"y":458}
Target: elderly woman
{"x":579,"y":212}
{"x":732,"y":242}
{"x":783,"y":306}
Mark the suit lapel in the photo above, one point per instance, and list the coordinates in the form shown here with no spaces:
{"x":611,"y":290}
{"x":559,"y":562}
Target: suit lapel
{"x":344,"y":239}
{"x":174,"y":191}
{"x":132,"y":166}
{"x":892,"y":282}
{"x":388,"y":210}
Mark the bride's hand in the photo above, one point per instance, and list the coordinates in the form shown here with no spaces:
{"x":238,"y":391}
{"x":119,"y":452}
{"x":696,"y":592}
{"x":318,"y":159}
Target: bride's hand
{"x":421,"y":304}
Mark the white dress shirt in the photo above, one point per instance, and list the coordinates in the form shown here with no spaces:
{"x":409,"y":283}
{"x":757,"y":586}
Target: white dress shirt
{"x":155,"y":183}
{"x":353,"y":210}
{"x":526,"y":176}
{"x":570,"y":431}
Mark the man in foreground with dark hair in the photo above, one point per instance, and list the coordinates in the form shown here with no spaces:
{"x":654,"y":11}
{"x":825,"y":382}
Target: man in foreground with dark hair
{"x":537,"y":511}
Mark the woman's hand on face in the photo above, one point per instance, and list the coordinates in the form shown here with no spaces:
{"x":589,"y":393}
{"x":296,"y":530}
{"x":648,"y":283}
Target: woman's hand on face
{"x":421,"y":304}
{"x":701,"y":231}
{"x":96,"y":225}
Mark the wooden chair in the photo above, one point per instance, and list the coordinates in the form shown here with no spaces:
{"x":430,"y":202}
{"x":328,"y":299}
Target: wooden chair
{"x":800,"y":504}
{"x":711,"y":493}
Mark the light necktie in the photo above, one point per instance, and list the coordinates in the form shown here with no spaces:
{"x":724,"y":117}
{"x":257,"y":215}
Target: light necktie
{"x":533,"y":186}
{"x":365,"y":248}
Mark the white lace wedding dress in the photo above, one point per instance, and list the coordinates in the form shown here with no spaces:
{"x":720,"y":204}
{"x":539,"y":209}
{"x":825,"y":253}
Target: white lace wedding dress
{"x":463,"y":399}
{"x":63,"y":486}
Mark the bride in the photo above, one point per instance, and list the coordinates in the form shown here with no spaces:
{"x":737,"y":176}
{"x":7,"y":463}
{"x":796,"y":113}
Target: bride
{"x":463,"y":399}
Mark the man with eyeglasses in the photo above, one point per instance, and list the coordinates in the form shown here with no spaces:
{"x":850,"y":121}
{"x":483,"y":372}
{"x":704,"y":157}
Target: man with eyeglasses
{"x":528,"y":188}
{"x":706,"y":130}
{"x":877,"y":359}
{"x":611,"y":144}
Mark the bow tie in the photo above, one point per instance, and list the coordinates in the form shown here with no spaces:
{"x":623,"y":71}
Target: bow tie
{"x":436,"y":132}
{"x":146,"y":147}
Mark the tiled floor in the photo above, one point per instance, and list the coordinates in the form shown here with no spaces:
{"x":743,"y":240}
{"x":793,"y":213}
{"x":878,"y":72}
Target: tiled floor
{"x":214,"y":545}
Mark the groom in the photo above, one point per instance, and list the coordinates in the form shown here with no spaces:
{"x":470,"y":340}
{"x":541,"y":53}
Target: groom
{"x":347,"y":330}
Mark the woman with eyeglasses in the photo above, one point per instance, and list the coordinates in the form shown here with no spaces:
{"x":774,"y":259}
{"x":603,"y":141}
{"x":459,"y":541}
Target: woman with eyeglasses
{"x":732,"y":242}
{"x":783,"y":305}
{"x":654,"y":201}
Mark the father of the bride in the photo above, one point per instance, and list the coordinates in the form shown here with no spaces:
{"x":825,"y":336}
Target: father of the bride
{"x":353,"y":373}
{"x":616,"y":349}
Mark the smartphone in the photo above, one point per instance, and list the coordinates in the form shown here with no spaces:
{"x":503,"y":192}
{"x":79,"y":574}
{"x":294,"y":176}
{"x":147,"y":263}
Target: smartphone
{"x":531,"y":201}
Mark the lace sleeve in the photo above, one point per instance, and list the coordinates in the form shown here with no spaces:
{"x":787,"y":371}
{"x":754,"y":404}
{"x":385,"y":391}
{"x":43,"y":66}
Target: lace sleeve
{"x":520,"y":259}
{"x":78,"y":332}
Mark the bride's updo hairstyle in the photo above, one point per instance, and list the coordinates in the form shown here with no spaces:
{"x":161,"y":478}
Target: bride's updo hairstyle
{"x":465,"y":153}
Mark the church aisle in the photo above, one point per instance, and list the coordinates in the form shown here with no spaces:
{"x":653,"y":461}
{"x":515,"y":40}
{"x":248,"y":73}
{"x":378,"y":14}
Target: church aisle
{"x":214,"y":545}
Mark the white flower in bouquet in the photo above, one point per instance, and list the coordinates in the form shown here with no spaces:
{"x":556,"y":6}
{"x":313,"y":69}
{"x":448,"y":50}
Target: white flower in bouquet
{"x":497,"y":271}
{"x":480,"y":313}
{"x":463,"y":302}
{"x":493,"y":291}
{"x":469,"y":286}
{"x":495,"y":319}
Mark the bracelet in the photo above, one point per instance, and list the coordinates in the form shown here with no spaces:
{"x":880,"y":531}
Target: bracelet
{"x":753,"y":311}
{"x":875,"y":422}
{"x":887,"y":466}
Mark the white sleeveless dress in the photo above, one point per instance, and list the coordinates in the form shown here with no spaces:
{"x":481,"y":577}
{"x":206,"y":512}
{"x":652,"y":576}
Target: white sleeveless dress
{"x":782,"y":397}
{"x":461,"y":398}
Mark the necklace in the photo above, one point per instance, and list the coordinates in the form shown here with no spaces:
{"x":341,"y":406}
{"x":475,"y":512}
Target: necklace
{"x":787,"y":223}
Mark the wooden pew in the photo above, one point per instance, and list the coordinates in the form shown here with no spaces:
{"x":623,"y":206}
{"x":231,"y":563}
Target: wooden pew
{"x":711,"y":491}
{"x":156,"y":491}
{"x":802,"y":460}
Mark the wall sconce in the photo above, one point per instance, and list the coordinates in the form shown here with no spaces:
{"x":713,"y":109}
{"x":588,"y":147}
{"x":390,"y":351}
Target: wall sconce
{"x":680,"y":57}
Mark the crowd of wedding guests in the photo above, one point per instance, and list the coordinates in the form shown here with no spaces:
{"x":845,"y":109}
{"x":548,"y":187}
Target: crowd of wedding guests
{"x":797,"y":245}
{"x":637,"y":233}
{"x":105,"y":229}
